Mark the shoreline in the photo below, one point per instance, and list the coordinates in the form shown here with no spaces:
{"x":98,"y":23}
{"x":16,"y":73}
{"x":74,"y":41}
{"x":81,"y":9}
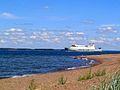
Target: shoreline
{"x":50,"y":80}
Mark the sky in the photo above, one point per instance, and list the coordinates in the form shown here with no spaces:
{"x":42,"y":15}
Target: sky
{"x":59,"y":23}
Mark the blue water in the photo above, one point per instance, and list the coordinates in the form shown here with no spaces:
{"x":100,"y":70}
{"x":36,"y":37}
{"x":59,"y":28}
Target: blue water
{"x":27,"y":62}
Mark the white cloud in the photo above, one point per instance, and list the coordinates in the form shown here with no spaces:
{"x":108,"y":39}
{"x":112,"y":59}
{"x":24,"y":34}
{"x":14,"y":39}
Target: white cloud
{"x":117,"y":39}
{"x":14,"y":30}
{"x":71,"y":38}
{"x":46,"y":7}
{"x":56,"y":40}
{"x":80,"y":33}
{"x":108,"y":28}
{"x":75,"y":38}
{"x":15,"y":35}
{"x":33,"y":37}
{"x":69,"y":34}
{"x":97,"y":41}
{"x":6,"y":33}
{"x":56,"y":37}
{"x":7,"y":15}
{"x":41,"y":36}
{"x":2,"y":41}
{"x":102,"y":38}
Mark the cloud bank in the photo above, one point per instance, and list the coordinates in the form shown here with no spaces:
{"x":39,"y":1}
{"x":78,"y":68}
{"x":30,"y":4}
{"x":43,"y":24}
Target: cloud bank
{"x":47,"y":38}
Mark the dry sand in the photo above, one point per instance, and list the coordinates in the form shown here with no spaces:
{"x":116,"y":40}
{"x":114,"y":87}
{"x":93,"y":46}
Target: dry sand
{"x":50,"y":81}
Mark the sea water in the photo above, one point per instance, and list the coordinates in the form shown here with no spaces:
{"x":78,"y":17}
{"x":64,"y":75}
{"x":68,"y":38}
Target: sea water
{"x":15,"y":63}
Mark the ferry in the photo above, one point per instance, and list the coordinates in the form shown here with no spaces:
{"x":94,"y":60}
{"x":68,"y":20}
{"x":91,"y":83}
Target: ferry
{"x":84,"y":48}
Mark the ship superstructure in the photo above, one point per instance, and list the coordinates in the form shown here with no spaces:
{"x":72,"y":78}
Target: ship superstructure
{"x":90,"y":47}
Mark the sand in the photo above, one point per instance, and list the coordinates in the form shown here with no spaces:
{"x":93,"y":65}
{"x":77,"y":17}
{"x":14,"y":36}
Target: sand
{"x":49,"y":81}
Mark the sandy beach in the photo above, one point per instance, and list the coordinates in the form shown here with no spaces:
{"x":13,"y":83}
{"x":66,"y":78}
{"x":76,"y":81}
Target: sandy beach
{"x":49,"y":81}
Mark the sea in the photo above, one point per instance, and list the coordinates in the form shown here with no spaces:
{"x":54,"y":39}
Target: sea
{"x":22,"y":63}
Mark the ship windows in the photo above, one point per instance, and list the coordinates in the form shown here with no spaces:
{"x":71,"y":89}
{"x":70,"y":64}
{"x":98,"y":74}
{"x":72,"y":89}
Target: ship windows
{"x":73,"y":46}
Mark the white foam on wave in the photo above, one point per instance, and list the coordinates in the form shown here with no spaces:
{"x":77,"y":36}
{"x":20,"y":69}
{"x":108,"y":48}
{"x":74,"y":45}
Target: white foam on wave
{"x":72,"y":68}
{"x":92,"y":62}
{"x":85,"y":59}
{"x":27,"y":75}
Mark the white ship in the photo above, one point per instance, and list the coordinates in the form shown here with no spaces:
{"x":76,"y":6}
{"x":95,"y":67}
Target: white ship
{"x":84,"y":48}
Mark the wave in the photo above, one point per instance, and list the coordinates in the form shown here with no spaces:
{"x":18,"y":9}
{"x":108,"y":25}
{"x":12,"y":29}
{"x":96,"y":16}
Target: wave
{"x":72,"y":68}
{"x":18,"y":76}
{"x":91,"y":62}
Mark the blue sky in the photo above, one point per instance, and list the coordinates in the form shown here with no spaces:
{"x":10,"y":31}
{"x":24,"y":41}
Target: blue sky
{"x":59,"y":23}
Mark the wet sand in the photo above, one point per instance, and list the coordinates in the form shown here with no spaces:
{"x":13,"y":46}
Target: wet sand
{"x":49,"y":81}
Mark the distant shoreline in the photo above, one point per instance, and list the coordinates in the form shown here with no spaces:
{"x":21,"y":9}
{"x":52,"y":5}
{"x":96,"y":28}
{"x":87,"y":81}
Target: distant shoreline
{"x":23,"y":49}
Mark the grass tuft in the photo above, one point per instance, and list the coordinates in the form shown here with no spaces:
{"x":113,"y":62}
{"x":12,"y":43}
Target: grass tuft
{"x":32,"y":85}
{"x":100,"y":72}
{"x":89,"y":75}
{"x":62,"y":80}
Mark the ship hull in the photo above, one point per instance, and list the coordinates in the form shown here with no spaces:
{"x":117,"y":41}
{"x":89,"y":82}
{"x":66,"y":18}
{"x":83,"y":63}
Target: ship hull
{"x":84,"y":50}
